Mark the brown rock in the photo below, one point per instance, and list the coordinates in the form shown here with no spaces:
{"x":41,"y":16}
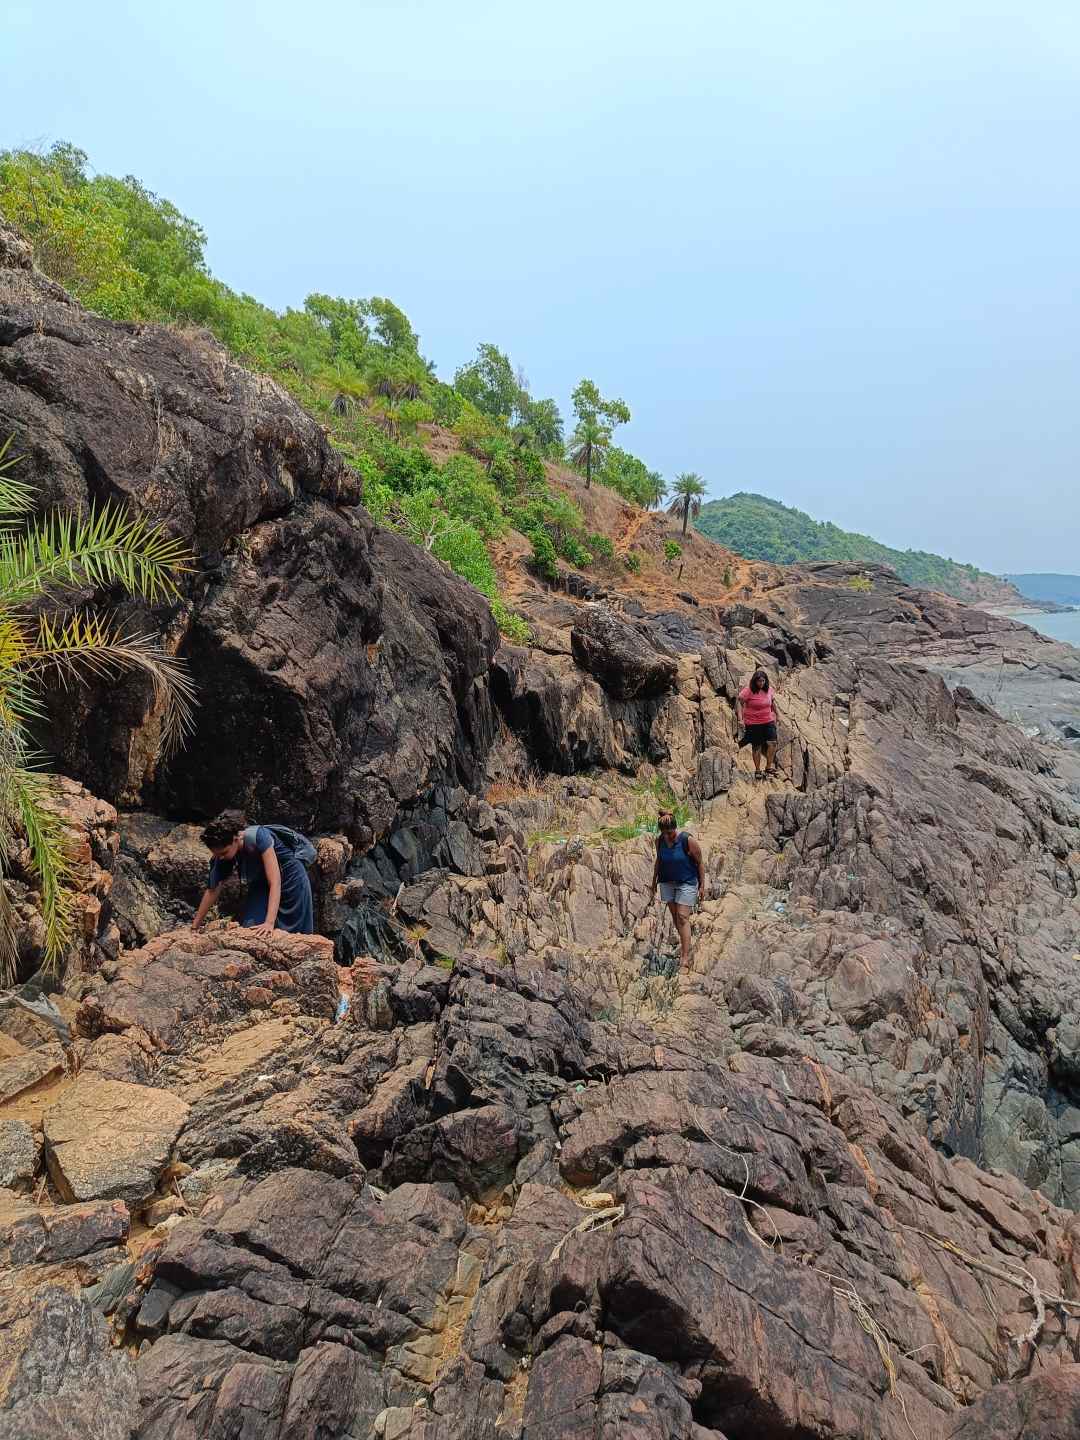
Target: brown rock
{"x":107,"y":1138}
{"x":33,"y":1067}
{"x":1045,"y":1407}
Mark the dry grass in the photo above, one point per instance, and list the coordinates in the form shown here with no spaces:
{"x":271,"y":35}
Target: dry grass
{"x":530,"y":786}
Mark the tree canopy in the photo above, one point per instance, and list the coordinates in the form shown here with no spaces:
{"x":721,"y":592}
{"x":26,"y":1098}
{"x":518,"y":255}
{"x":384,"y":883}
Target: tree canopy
{"x":687,"y":490}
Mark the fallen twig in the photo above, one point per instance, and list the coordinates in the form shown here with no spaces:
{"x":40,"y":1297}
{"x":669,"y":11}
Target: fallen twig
{"x":598,"y":1220}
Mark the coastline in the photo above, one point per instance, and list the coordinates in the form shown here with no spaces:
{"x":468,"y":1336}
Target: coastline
{"x":1017,"y":612}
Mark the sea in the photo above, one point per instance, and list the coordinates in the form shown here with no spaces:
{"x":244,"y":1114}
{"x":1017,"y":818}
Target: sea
{"x":1064,"y":626}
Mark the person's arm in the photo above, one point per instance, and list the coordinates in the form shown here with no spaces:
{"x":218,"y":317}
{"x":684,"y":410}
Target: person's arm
{"x":699,"y":860}
{"x":273,"y":880}
{"x":739,"y":711}
{"x":206,"y":904}
{"x":656,"y":869}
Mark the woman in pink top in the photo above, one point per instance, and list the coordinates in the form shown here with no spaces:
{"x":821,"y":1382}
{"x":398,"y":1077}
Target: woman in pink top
{"x":756,"y":708}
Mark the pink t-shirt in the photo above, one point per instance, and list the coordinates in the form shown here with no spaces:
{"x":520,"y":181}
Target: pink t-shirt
{"x":757,"y":706}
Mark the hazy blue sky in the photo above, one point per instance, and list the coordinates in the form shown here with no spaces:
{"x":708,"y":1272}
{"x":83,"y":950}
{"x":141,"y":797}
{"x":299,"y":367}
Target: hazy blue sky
{"x":826,"y":249}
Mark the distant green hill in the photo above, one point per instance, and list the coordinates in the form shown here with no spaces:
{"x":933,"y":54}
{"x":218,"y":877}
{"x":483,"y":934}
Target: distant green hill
{"x":1059,"y":589}
{"x":763,"y":529}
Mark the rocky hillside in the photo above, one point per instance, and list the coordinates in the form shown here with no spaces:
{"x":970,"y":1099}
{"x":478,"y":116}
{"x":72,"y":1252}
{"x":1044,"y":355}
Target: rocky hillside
{"x":535,"y":1182}
{"x":764,"y":529}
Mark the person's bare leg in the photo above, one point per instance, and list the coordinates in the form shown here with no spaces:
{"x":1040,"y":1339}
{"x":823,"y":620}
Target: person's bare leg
{"x":770,"y":758}
{"x":758,"y":755}
{"x":681,"y":916}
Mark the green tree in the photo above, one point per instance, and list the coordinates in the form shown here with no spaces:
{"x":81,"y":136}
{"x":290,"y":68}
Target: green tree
{"x":587,"y":400}
{"x":687,"y":489}
{"x":630,"y":477}
{"x":392,"y":325}
{"x":43,"y":563}
{"x":588,"y":445}
{"x":540,"y":425}
{"x":489,"y":383}
{"x":596,"y":421}
{"x":657,"y":490}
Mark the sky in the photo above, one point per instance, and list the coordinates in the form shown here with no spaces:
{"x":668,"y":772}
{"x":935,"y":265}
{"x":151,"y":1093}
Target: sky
{"x":826,"y":250}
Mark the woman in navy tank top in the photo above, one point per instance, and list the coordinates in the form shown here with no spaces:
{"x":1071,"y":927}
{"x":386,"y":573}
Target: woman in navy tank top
{"x":679,"y":873}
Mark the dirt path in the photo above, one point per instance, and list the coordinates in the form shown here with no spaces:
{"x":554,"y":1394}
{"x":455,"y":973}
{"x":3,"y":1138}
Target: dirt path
{"x":630,"y":534}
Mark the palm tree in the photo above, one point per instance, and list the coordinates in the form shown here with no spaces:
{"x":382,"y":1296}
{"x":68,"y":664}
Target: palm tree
{"x":657,"y":489}
{"x":688,"y":489}
{"x":42,"y":561}
{"x":589,"y":444}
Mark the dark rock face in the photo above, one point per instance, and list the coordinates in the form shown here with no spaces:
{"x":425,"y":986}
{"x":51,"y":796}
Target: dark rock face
{"x":66,"y":1378}
{"x":617,"y":1232}
{"x":1046,"y":1407}
{"x":621,"y":658}
{"x":340,"y":673}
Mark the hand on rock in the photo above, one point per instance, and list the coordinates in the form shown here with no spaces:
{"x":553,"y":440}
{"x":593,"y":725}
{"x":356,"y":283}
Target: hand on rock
{"x":263,"y":929}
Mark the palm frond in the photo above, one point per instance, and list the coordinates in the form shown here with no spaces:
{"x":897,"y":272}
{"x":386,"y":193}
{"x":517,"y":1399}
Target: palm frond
{"x":51,"y":858}
{"x":16,"y":497}
{"x":9,"y":954}
{"x":10,"y":756}
{"x":88,"y":644}
{"x":102,"y":549}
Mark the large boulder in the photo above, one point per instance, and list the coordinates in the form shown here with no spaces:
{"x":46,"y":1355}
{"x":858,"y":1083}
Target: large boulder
{"x":181,"y":983}
{"x":624,"y":660}
{"x":340,"y":672}
{"x":60,"y":1375}
{"x":1044,"y":1407}
{"x":107,"y":1139}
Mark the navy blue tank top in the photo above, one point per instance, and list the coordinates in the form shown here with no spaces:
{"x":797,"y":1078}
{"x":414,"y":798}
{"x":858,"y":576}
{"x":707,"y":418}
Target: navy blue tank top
{"x":676,"y":866}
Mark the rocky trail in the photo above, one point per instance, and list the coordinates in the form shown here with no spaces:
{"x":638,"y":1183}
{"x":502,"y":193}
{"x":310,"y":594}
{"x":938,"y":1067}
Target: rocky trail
{"x":824,"y":1185}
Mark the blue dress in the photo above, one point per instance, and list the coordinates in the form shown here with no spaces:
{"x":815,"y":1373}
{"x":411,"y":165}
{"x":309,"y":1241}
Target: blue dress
{"x":295,"y":913}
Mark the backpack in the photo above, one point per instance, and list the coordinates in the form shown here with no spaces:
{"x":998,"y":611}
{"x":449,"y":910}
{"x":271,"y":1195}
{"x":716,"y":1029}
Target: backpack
{"x":301,"y":847}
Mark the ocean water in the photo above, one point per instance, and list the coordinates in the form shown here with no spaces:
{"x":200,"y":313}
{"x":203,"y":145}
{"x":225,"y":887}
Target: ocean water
{"x":1065,"y":626}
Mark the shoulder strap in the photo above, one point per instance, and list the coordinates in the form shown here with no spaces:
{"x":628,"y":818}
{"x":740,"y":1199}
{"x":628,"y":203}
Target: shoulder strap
{"x":684,"y":841}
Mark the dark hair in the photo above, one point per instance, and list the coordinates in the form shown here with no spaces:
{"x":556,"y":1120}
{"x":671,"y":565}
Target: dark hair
{"x":224,"y":830}
{"x":758,"y":681}
{"x":666,"y":815}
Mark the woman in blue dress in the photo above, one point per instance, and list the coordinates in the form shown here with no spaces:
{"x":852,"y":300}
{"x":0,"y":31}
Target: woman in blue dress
{"x":278,"y":895}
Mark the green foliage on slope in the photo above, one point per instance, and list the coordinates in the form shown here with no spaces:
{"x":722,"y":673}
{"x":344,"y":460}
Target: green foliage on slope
{"x":354,"y":363}
{"x":764,"y":529}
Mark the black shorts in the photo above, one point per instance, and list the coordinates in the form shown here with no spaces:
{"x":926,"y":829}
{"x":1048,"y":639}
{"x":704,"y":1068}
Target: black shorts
{"x":759,"y":735}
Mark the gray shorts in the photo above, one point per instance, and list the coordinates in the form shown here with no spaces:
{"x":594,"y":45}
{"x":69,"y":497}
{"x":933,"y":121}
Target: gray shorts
{"x":681,"y":894}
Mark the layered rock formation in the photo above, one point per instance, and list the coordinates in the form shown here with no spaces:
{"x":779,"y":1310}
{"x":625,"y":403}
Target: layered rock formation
{"x":341,"y":672}
{"x":533,"y":1181}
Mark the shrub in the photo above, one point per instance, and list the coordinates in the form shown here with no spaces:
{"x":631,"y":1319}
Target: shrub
{"x":862,"y":583}
{"x":515,"y":627}
{"x":502,"y":472}
{"x":573,"y":550}
{"x":469,"y":494}
{"x":462,"y":548}
{"x":672,"y":551}
{"x":601,"y":546}
{"x":530,"y":468}
{"x":545,"y":556}
{"x":632,"y":561}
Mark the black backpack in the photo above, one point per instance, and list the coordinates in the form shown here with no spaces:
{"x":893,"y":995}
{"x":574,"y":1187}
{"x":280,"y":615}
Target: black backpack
{"x":301,"y":847}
